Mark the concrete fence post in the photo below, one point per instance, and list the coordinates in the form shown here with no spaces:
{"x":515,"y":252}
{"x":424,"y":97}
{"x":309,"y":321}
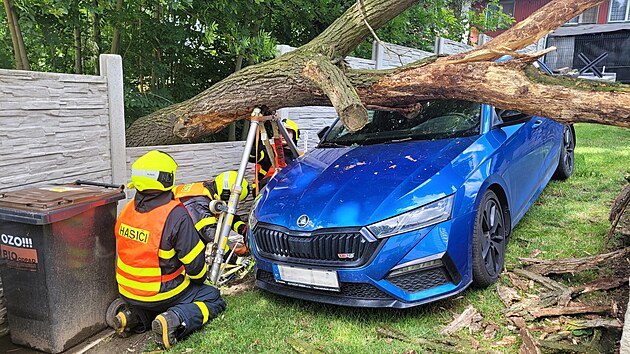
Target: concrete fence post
{"x":378,"y":55}
{"x":439,"y":46}
{"x":111,"y":68}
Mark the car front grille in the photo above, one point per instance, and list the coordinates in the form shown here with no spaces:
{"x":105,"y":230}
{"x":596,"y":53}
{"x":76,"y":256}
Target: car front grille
{"x":413,"y":282}
{"x":342,"y":248}
{"x":351,"y":290}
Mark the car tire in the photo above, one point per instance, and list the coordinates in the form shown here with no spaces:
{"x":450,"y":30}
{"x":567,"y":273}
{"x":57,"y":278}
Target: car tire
{"x":567,"y":158}
{"x":116,"y":306}
{"x":489,"y":241}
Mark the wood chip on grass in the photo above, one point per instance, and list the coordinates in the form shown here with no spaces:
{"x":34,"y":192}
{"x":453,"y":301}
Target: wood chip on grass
{"x":470,"y":318}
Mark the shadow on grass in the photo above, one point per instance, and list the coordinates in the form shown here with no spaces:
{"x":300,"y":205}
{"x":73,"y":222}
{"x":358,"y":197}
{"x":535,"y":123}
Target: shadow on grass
{"x":365,"y":314}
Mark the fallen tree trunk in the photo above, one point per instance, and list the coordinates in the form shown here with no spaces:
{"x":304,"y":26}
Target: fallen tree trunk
{"x":287,"y":82}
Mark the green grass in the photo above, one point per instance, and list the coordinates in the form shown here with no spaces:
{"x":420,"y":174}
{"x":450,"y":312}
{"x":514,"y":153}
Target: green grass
{"x":569,"y":219}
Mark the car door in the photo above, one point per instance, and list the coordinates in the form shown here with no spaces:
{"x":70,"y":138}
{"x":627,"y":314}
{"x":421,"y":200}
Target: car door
{"x":551,"y":136}
{"x":523,"y":153}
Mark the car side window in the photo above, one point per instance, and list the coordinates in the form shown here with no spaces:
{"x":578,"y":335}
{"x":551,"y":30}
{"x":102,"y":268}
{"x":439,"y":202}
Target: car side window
{"x":496,"y":118}
{"x":509,"y":117}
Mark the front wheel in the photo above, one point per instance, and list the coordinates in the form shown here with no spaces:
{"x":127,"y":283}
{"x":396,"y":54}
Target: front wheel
{"x":567,"y":159}
{"x":489,"y":241}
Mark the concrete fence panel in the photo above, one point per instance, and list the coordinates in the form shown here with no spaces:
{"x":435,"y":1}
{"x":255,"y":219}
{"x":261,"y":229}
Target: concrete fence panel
{"x":54,"y":128}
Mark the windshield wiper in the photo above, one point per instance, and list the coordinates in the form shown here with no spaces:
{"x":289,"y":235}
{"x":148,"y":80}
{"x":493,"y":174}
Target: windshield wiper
{"x":399,"y":140}
{"x":331,"y":144}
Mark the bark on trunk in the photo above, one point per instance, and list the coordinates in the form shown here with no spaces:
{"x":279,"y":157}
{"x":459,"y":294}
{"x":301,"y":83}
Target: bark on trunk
{"x":307,"y":76}
{"x":96,"y":30}
{"x":339,"y":91}
{"x":10,"y":19}
{"x":78,"y":51}
{"x":232,"y":129}
{"x":22,"y":47}
{"x":19,"y":49}
{"x":571,"y":265}
{"x":116,"y":34}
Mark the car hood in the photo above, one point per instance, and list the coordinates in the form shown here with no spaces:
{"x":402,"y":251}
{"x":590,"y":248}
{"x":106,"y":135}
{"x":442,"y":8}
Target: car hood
{"x":357,"y":186}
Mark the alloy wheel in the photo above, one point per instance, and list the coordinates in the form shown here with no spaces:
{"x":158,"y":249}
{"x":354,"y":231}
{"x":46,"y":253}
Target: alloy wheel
{"x":493,"y":237}
{"x":569,"y":146}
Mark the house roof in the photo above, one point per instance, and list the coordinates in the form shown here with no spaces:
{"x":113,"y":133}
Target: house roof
{"x":577,"y":30}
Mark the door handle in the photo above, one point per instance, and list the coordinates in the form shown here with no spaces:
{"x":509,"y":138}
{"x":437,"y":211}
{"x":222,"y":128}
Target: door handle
{"x":537,"y":123}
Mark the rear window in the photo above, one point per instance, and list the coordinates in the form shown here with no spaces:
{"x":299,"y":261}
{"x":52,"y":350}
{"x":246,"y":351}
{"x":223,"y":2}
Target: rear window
{"x":436,"y":119}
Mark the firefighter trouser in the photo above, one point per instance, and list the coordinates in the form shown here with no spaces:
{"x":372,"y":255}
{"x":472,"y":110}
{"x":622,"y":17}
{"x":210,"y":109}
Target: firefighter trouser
{"x":198,"y":304}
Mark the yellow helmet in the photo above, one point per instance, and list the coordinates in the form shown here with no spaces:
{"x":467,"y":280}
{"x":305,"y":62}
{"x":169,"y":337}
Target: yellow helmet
{"x":154,"y":170}
{"x":224,"y":182}
{"x":291,"y":125}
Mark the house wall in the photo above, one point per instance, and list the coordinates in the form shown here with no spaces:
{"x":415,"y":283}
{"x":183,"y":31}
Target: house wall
{"x":603,"y":12}
{"x":524,"y":8}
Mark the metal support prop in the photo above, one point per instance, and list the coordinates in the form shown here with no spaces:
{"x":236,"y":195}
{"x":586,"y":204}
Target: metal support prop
{"x":215,"y":269}
{"x":287,"y":137}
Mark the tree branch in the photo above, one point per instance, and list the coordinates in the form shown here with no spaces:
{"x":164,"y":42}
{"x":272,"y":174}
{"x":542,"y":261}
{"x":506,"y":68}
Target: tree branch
{"x":570,"y":265}
{"x":339,"y":90}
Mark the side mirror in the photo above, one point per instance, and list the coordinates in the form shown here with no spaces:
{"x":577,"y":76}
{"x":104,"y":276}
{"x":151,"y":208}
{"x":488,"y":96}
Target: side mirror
{"x":322,"y":132}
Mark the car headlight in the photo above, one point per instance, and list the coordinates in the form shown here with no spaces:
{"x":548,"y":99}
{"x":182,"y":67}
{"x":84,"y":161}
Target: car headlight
{"x":252,"y":221}
{"x":415,"y":219}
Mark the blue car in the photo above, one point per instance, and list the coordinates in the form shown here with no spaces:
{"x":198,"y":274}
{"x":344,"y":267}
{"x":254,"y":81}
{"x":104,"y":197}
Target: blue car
{"x":414,"y":207}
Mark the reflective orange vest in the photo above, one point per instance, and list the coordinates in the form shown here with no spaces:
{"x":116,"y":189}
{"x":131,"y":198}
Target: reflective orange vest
{"x":138,"y":238}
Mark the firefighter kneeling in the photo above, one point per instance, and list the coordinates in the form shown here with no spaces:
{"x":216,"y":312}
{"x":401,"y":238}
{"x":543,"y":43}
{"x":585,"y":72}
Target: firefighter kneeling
{"x":196,"y":197}
{"x":161,"y":264}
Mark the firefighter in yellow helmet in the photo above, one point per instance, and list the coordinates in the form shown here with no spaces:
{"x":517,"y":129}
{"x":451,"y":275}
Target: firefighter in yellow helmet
{"x":196,"y":197}
{"x":293,"y":129}
{"x":161,"y":265}
{"x":264,"y":167}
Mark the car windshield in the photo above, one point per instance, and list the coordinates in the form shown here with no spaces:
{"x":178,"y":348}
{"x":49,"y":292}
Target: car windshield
{"x":436,"y":119}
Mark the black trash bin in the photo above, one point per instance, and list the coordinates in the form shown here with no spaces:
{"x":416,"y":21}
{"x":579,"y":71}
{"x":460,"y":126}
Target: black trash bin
{"x":58,"y":251}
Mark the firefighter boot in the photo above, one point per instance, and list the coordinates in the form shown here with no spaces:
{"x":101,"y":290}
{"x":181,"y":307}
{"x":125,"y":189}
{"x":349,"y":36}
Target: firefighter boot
{"x":125,"y":321}
{"x":165,"y":327}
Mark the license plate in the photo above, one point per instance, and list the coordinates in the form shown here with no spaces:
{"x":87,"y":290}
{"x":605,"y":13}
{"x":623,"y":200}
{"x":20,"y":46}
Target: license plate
{"x":306,"y":277}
